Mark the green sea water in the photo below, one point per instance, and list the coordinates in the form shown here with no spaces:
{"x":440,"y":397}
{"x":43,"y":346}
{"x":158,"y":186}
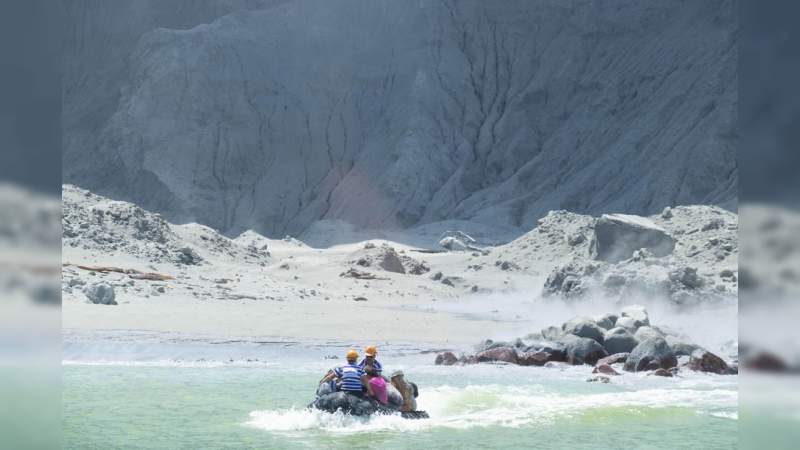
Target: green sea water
{"x":238,"y":404}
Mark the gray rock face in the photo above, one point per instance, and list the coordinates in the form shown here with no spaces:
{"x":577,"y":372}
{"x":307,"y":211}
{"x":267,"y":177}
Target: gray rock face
{"x":606,"y":321}
{"x":651,"y":354}
{"x":390,"y":261}
{"x":188,"y":256}
{"x":584,"y":327}
{"x":383,"y":114}
{"x":582,"y":350}
{"x":618,"y":236}
{"x":680,"y":347}
{"x":100,"y":293}
{"x":646,"y":332}
{"x":619,"y":340}
{"x":628,"y":323}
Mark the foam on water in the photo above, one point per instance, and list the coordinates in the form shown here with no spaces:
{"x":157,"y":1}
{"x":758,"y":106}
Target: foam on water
{"x":503,"y":406}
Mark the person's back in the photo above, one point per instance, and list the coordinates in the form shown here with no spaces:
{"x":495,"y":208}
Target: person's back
{"x":406,"y":390}
{"x":377,"y":386}
{"x":350,"y":375}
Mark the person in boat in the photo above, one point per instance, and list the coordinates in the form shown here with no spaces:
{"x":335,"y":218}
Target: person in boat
{"x":406,"y":390}
{"x":352,"y":378}
{"x":370,"y":354}
{"x":376,"y":385}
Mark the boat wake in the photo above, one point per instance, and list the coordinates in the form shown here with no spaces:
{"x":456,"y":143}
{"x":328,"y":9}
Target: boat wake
{"x":514,"y":407}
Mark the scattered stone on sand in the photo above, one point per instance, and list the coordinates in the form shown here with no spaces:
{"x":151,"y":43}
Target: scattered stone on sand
{"x":100,"y":293}
{"x":187,"y":256}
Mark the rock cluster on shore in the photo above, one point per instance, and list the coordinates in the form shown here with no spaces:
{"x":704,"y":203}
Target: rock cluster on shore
{"x":612,"y":343}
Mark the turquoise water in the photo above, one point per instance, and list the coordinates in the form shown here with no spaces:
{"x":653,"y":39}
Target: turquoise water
{"x":235,"y":403}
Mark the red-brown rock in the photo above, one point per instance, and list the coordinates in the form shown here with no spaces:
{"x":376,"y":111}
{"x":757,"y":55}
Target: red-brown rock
{"x":533,"y":358}
{"x":613,"y":359}
{"x":605,"y":369}
{"x":705,"y":361}
{"x":498,"y":354}
{"x":446,"y":359}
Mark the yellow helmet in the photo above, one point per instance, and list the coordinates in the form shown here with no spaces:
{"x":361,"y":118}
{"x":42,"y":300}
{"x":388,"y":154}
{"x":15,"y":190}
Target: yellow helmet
{"x":371,"y":351}
{"x":352,"y":354}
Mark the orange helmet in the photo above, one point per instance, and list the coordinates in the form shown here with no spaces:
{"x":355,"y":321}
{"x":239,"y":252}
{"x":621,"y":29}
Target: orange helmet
{"x":371,"y":351}
{"x":352,"y":355}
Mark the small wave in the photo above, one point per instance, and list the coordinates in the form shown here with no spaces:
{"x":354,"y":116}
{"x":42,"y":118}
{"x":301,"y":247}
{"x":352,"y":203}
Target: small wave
{"x":732,"y":415}
{"x":497,"y":405}
{"x":202,"y":364}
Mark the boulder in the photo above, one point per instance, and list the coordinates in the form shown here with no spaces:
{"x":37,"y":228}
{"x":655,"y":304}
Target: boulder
{"x":613,"y":359}
{"x":764,"y":361}
{"x":582,"y":350}
{"x":568,"y":280}
{"x":498,"y":354}
{"x":489,"y":344}
{"x":619,"y":340}
{"x":188,"y":256}
{"x":533,"y":358}
{"x":638,"y":313}
{"x":661,"y":372}
{"x":687,"y":278}
{"x":584,"y":327}
{"x":389,"y":261}
{"x":556,"y":350}
{"x":604,"y":369}
{"x":628,"y":324}
{"x":705,"y":361}
{"x":552,"y":333}
{"x":606,"y":321}
{"x":646,"y":332}
{"x":617,"y":236}
{"x":456,"y":241}
{"x":651,"y":354}
{"x":681,"y":347}
{"x":73,"y":282}
{"x":446,"y":359}
{"x":100,"y":294}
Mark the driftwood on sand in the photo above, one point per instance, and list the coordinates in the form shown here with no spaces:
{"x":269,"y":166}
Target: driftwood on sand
{"x":132,"y":273}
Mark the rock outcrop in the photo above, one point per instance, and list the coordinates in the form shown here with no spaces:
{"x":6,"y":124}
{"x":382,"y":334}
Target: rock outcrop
{"x":651,"y":354}
{"x":617,"y":236}
{"x":382,"y":113}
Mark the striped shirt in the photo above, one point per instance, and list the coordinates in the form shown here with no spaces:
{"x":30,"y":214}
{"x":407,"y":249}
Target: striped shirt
{"x":350,"y":376}
{"x":375,"y":364}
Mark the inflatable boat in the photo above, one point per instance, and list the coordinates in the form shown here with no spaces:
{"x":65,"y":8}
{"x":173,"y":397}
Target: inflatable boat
{"x":359,"y":404}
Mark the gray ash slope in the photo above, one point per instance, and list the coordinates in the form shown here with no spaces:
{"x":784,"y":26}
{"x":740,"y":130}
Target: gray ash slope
{"x":390,"y":114}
